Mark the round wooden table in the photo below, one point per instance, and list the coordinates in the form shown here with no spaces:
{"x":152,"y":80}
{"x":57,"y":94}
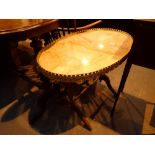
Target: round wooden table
{"x":82,"y":56}
{"x":21,"y":29}
{"x":14,"y":30}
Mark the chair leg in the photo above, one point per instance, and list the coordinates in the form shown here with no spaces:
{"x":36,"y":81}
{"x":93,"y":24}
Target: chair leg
{"x":36,"y":44}
{"x":108,"y":83}
{"x":122,"y":84}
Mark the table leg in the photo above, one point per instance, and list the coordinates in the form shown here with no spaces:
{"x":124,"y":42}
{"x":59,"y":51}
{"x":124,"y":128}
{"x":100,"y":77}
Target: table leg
{"x":14,"y":53}
{"x":107,"y":80}
{"x":36,"y":44}
{"x":77,"y":107}
{"x":9,"y":58}
{"x":122,"y":83}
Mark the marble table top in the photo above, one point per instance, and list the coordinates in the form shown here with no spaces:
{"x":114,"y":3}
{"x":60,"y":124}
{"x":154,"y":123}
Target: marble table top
{"x":84,"y":53}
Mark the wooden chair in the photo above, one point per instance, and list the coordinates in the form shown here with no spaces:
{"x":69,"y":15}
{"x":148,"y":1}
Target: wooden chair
{"x":66,"y":27}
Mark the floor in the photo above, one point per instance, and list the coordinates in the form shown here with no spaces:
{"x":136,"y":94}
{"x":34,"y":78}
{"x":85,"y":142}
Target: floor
{"x":135,"y":112}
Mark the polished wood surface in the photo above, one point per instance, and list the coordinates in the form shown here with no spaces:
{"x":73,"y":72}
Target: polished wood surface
{"x":19,"y":24}
{"x":25,"y":28}
{"x":85,"y":52}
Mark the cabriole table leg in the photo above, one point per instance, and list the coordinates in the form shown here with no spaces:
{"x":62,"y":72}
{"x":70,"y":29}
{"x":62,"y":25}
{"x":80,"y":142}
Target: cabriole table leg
{"x":77,"y":107}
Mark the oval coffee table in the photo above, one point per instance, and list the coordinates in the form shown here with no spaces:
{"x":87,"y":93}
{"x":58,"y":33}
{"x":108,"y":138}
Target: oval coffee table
{"x":83,"y":56}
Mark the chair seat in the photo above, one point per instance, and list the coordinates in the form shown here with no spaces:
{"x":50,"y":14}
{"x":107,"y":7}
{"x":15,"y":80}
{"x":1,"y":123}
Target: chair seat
{"x":30,"y":73}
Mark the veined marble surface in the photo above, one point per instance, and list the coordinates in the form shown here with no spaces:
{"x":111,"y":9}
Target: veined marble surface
{"x":85,"y":52}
